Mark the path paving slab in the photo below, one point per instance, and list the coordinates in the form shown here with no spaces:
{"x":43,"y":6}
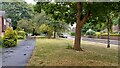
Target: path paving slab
{"x":18,"y":56}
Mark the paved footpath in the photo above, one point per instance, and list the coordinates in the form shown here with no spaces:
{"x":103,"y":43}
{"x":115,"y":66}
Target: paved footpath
{"x":18,"y":56}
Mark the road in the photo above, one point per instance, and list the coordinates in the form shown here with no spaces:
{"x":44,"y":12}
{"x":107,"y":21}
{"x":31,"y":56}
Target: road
{"x":18,"y":56}
{"x":115,"y":42}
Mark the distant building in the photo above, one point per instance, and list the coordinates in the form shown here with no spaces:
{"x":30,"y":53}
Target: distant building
{"x":4,"y":23}
{"x":115,"y":28}
{"x":73,"y":28}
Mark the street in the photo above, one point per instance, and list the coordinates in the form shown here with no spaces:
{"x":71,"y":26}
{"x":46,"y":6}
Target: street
{"x":115,"y":42}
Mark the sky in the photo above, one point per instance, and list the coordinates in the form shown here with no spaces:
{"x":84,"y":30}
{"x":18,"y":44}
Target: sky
{"x":30,"y":1}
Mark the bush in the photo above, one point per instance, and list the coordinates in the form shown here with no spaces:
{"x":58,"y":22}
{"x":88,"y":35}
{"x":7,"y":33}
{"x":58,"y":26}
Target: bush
{"x":21,"y":34}
{"x":90,"y":32}
{"x":72,"y":33}
{"x":97,"y":34}
{"x":10,"y":38}
{"x":20,"y":37}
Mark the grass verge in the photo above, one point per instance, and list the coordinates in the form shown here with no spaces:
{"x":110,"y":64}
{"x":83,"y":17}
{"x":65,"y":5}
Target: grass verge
{"x":54,"y":52}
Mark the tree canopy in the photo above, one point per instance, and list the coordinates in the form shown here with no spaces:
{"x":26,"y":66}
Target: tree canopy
{"x":16,"y":11}
{"x":71,"y":12}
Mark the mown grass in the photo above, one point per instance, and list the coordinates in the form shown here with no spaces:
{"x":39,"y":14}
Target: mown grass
{"x":54,"y":52}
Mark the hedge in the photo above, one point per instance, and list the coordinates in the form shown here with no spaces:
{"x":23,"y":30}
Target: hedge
{"x":111,"y":34}
{"x":105,"y":34}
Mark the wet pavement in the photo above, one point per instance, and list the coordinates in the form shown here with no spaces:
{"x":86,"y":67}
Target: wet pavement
{"x":18,"y":56}
{"x":115,"y":42}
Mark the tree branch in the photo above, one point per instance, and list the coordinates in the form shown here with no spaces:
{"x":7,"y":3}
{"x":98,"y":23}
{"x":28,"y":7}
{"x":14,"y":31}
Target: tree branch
{"x":79,"y":10}
{"x":83,"y":21}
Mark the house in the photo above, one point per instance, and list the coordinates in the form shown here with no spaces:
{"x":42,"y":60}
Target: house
{"x":115,"y":28}
{"x":73,"y":28}
{"x":4,"y":23}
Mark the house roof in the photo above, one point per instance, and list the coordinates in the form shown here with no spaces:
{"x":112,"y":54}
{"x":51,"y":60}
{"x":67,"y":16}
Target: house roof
{"x":2,"y":13}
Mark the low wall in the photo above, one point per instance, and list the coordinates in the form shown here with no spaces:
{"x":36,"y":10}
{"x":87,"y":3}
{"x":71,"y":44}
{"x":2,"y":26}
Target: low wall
{"x":111,"y":37}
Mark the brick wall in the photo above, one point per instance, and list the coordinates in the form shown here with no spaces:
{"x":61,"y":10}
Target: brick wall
{"x":0,"y":25}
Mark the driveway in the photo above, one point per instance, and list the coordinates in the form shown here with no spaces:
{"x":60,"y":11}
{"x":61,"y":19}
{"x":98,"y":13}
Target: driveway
{"x":115,"y":42}
{"x":18,"y":56}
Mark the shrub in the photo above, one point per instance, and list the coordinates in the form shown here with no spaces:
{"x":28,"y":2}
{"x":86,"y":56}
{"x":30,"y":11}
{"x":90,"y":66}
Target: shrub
{"x":46,"y":29}
{"x":90,"y":32}
{"x":20,"y":37}
{"x":72,"y":33}
{"x":97,"y":34}
{"x":21,"y":34}
{"x":10,"y":38}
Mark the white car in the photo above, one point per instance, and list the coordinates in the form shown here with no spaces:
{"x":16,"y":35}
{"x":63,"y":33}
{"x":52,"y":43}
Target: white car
{"x":64,"y":35}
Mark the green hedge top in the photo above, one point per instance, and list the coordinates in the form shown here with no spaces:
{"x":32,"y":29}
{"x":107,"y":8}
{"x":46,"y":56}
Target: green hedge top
{"x":111,"y":34}
{"x":105,"y":34}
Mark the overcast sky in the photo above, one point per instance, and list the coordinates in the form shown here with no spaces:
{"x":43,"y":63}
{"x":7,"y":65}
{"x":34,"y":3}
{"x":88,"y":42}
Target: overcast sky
{"x":30,"y":1}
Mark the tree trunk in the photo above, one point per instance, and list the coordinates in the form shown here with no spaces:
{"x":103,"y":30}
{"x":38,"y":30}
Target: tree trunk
{"x":49,"y":35}
{"x":119,"y":23}
{"x":33,"y":33}
{"x":77,"y":42}
{"x":79,"y":25}
{"x":78,"y":29}
{"x":100,"y":30}
{"x":108,"y":30}
{"x":54,"y":35}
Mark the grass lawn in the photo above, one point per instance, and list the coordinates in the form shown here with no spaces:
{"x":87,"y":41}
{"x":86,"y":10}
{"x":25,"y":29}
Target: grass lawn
{"x":53,"y":52}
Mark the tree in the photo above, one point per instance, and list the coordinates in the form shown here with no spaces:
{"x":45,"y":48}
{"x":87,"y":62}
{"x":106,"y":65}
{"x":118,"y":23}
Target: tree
{"x":42,"y":18}
{"x":46,"y":28}
{"x":25,"y":25}
{"x":81,"y":12}
{"x":59,"y":27}
{"x":16,"y":11}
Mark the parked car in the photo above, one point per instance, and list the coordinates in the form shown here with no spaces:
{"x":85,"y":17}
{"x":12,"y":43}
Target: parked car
{"x":63,"y":35}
